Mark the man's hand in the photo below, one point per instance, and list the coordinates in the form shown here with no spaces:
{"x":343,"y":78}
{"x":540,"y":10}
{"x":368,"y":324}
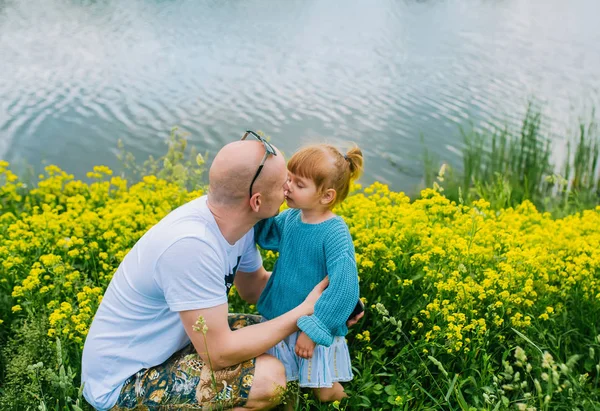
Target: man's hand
{"x":305,"y":346}
{"x":310,"y":300}
{"x":355,"y":319}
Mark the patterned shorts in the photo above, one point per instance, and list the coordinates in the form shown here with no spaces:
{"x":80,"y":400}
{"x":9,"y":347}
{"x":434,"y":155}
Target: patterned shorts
{"x":184,"y":381}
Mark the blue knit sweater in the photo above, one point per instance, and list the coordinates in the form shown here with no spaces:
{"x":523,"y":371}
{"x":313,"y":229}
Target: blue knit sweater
{"x":307,"y":253}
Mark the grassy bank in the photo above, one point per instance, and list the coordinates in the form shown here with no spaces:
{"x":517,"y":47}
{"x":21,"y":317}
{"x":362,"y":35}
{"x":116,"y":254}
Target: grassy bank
{"x":508,"y":166}
{"x":470,"y":306}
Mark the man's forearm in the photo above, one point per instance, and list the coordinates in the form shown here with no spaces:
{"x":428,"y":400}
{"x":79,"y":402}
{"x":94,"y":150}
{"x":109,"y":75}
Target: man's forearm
{"x":224,"y":347}
{"x":254,"y":340}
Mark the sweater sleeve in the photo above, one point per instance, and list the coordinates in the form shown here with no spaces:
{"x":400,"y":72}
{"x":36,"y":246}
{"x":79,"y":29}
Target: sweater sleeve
{"x":268,"y":232}
{"x":339,"y":299}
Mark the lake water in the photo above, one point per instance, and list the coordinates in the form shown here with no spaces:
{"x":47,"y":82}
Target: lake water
{"x":75,"y":76}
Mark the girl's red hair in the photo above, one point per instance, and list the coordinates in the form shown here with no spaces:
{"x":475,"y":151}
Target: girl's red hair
{"x":328,"y":168}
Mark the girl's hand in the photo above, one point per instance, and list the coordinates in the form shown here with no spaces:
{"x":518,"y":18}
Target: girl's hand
{"x":305,"y":346}
{"x":355,"y":319}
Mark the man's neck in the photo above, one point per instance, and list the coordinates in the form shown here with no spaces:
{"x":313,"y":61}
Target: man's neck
{"x":232,"y":222}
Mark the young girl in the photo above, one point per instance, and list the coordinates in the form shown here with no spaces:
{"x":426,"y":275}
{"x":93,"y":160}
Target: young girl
{"x":313,"y":243}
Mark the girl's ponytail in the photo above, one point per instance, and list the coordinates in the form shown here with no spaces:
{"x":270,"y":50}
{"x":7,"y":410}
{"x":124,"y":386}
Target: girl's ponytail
{"x":354,"y":157}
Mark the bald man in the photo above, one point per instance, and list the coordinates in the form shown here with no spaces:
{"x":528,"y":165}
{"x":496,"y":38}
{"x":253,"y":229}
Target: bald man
{"x":163,"y":335}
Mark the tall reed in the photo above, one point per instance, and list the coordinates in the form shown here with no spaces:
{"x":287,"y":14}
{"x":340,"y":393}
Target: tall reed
{"x":507,"y":167}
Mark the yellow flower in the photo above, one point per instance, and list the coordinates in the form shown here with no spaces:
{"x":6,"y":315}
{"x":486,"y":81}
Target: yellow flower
{"x":73,"y":253}
{"x":16,"y":308}
{"x":479,"y":271}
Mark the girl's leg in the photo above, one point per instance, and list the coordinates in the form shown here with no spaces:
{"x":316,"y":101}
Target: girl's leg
{"x":335,"y":393}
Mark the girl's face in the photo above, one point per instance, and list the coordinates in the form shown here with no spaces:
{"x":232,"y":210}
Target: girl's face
{"x":301,"y":193}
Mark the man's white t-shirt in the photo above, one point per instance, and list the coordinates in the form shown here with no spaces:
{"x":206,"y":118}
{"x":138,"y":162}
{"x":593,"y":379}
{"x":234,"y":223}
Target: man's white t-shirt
{"x":182,"y":263}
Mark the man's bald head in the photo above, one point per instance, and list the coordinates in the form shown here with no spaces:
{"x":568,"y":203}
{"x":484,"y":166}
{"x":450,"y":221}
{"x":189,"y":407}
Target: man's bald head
{"x":234,"y":168}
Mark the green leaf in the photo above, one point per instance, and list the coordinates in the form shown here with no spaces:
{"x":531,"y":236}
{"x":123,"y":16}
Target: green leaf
{"x":523,"y":336}
{"x":391,"y":400}
{"x":366,"y":402}
{"x":461,"y":400}
{"x":449,"y":392}
{"x":390,"y":390}
{"x":439,"y":365}
{"x":589,"y":364}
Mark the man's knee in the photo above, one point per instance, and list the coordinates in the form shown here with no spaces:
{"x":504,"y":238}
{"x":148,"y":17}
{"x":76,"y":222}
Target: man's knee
{"x":270,"y":376}
{"x":269,"y":383}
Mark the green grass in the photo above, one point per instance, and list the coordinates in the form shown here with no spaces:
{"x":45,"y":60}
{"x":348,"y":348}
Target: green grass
{"x":507,"y":166}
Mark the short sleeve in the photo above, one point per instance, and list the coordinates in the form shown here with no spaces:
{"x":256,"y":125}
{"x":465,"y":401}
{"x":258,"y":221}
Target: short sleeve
{"x":251,"y":259}
{"x":192,"y":275}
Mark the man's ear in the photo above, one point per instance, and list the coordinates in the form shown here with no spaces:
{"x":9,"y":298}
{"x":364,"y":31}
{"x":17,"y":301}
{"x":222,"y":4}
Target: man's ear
{"x":255,"y":202}
{"x":328,"y":196}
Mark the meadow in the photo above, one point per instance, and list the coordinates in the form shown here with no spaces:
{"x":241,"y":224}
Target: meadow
{"x":482,"y":292}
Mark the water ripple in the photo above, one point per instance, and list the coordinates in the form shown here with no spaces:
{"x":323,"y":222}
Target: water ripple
{"x":76,"y":75}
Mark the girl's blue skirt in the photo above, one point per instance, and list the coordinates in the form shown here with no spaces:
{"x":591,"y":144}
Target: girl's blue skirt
{"x":327,"y":365}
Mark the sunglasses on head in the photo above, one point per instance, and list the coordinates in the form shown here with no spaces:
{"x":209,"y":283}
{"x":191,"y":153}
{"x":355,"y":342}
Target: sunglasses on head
{"x":269,"y":150}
